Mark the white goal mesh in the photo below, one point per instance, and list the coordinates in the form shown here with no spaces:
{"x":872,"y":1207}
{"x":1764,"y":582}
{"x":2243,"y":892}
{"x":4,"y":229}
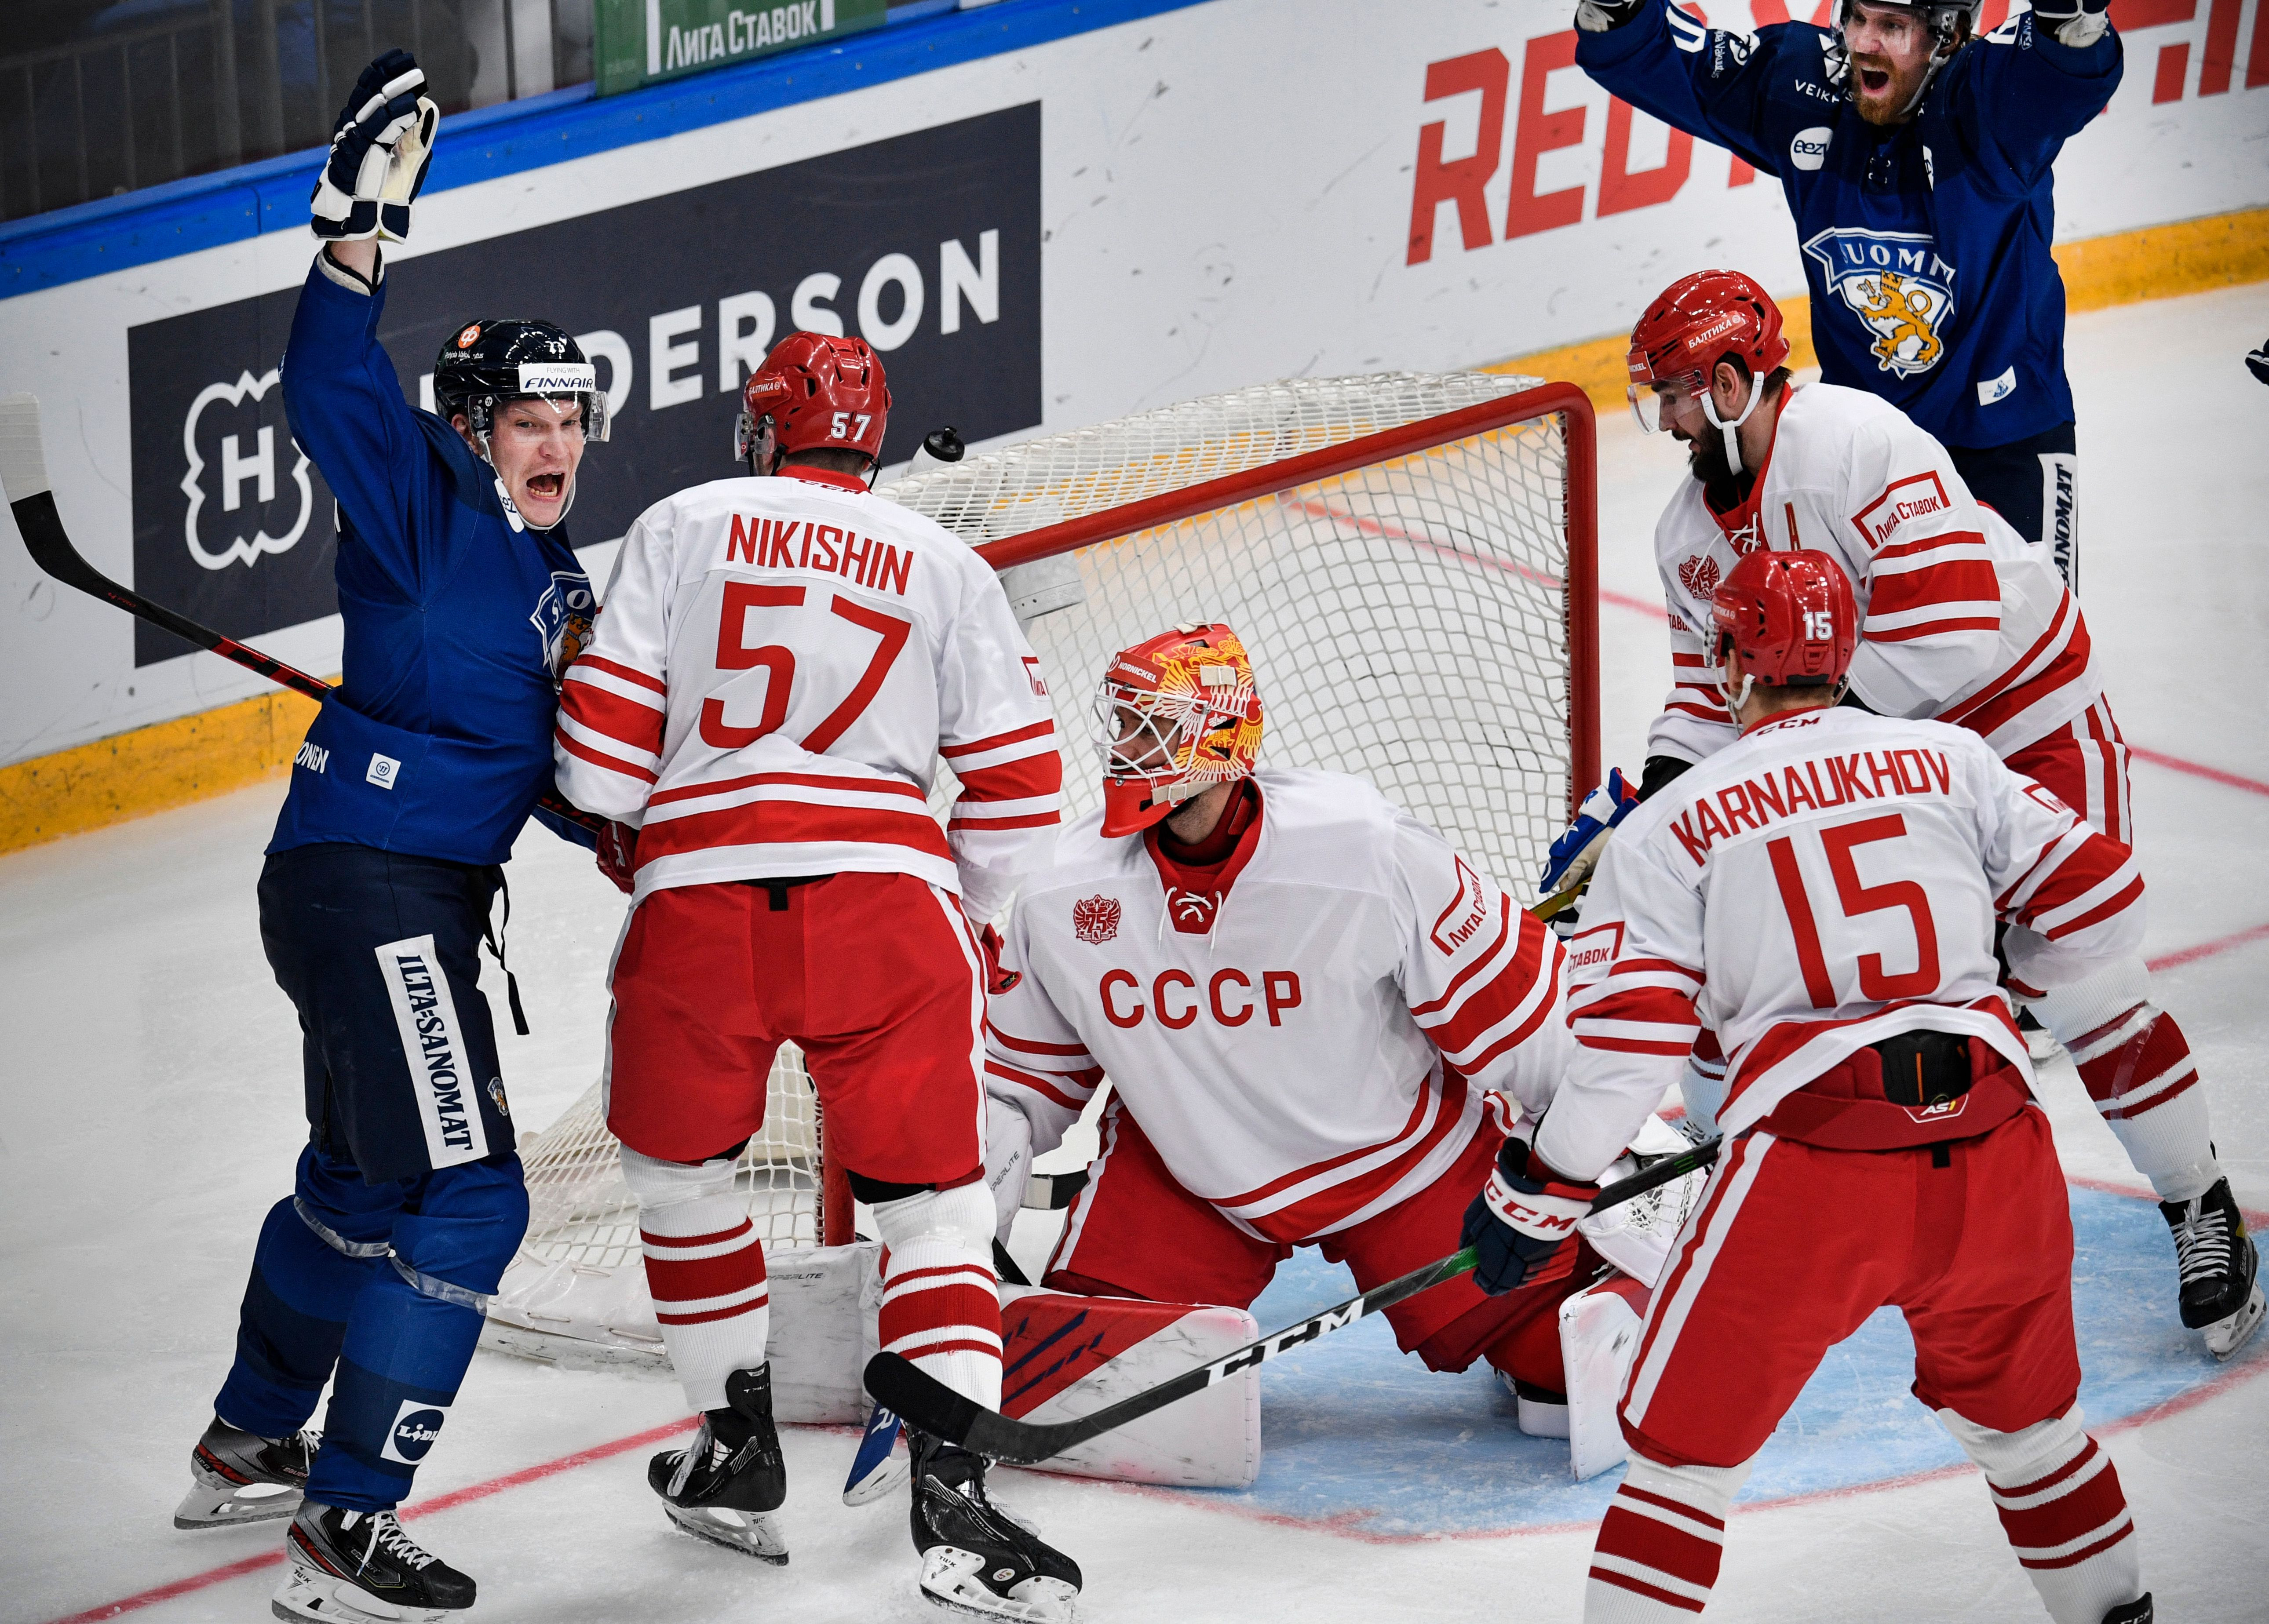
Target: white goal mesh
{"x":1410,"y":617}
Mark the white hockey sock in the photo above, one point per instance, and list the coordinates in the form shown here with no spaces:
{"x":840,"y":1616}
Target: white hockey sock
{"x":2061,"y":1505}
{"x":705,"y":1268}
{"x":1660,"y":1543}
{"x":941,"y":1301}
{"x":2138,"y":1069}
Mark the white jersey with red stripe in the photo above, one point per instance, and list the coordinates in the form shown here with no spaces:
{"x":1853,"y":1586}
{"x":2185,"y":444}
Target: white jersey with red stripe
{"x":1282,"y":1038}
{"x":1831,"y":879}
{"x":1961,"y":618}
{"x":779,"y":666}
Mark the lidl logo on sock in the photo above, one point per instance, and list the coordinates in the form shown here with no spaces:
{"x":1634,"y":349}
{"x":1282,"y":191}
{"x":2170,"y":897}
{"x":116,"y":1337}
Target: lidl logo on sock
{"x":417,"y":1423}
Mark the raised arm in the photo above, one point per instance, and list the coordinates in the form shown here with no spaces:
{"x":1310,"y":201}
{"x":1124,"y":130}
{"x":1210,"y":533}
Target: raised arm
{"x":2020,"y":94}
{"x":1708,"y":82}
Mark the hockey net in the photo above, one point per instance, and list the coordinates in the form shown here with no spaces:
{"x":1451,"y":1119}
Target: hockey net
{"x":1408,"y":558}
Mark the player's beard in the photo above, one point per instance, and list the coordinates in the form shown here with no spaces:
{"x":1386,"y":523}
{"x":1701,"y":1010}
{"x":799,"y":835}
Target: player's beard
{"x":1887,"y":108}
{"x":1707,"y":462}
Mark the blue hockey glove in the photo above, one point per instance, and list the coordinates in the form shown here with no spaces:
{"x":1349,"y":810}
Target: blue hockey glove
{"x":2076,"y":22}
{"x":1577,"y":852}
{"x":381,"y":147}
{"x":1524,"y":1220}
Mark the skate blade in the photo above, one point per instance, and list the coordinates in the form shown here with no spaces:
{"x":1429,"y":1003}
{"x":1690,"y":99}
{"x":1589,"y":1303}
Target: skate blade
{"x":2225,"y":1337}
{"x":752,"y":1533}
{"x":884,"y":1480}
{"x":322,"y":1598}
{"x":226,"y":1505}
{"x":949,"y":1580}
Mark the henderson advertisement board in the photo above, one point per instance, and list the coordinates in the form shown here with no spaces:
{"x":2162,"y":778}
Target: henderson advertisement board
{"x":926,"y":245}
{"x":1203,"y":194}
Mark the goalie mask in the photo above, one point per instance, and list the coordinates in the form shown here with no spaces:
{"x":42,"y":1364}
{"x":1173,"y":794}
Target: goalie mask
{"x":1177,"y":714}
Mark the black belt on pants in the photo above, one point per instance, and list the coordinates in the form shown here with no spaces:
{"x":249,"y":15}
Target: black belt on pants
{"x":777,"y":886}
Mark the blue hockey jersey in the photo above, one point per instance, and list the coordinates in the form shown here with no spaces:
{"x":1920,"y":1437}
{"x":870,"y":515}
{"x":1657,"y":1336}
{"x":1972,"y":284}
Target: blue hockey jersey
{"x":458,"y":620}
{"x":1926,"y":244}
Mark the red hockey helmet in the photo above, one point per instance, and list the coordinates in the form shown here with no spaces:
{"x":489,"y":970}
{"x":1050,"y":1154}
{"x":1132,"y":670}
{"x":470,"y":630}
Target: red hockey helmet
{"x":812,"y":392}
{"x":1177,"y":714}
{"x":1790,"y":617}
{"x":1695,"y":323}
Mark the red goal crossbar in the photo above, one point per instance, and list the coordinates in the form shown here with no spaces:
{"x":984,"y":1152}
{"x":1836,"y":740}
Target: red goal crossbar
{"x":1581,"y":520}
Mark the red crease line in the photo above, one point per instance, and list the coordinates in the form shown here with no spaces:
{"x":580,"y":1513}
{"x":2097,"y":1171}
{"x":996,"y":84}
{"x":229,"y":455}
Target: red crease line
{"x":2175,"y":764}
{"x":426,"y":1508}
{"x":2206,"y":949}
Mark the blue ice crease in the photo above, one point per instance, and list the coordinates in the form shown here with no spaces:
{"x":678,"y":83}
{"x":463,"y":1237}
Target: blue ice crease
{"x":1359,"y":1435}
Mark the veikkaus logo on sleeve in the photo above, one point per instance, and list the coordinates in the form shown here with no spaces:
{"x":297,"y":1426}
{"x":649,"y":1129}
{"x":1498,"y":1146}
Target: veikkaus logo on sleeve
{"x":218,"y":540}
{"x":1897,"y":286}
{"x":433,"y":1046}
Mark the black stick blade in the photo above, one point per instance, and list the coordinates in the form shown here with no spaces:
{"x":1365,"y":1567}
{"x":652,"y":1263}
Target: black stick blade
{"x":920,"y":1399}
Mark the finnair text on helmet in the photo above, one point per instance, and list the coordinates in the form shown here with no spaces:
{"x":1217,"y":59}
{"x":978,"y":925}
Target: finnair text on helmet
{"x":558,"y":378}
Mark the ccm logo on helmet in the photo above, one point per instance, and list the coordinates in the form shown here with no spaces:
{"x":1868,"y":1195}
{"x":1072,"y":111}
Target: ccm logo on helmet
{"x":1175,"y":998}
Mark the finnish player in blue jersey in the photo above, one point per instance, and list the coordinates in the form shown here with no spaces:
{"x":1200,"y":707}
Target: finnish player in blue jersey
{"x":462,"y":603}
{"x":1916,"y":161}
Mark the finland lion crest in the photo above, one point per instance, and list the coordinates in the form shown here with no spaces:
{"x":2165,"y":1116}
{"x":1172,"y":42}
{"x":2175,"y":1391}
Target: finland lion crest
{"x":1900,"y":288}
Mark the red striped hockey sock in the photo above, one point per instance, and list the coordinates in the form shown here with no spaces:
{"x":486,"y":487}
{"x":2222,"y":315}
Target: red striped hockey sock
{"x":2060,"y":1501}
{"x":2138,"y":1068}
{"x":705,"y":1268}
{"x":941,"y":1301}
{"x":1659,"y":1544}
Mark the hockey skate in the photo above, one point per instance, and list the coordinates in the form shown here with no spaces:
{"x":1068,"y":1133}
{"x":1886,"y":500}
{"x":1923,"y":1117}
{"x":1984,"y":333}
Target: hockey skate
{"x":244,"y":1478}
{"x":359,"y":1567}
{"x":976,"y":1558}
{"x":722,"y":1489}
{"x":2221,"y":1296}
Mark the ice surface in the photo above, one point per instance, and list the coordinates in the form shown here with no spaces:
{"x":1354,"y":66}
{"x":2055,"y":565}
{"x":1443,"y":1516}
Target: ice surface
{"x":152,"y":1115}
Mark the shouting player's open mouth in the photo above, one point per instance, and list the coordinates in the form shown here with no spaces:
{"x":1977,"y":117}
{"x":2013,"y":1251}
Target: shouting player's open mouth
{"x":547,"y":487}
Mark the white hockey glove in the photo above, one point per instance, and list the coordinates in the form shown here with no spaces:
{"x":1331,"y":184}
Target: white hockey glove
{"x":1599,"y":16}
{"x":1008,"y":1162}
{"x":2076,"y":22}
{"x":381,"y":147}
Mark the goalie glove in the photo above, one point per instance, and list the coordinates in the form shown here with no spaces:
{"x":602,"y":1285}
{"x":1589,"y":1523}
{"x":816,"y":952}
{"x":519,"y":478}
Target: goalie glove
{"x":381,"y":147}
{"x":1599,"y":16}
{"x":2076,"y":22}
{"x":1008,"y":1162}
{"x":1573,"y":856}
{"x":1523,"y":1223}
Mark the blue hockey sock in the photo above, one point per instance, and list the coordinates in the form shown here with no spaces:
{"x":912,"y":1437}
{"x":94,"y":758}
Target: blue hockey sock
{"x":413,"y":1330}
{"x":303,"y":1284}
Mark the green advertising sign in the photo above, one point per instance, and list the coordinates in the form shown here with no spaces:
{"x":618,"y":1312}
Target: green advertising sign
{"x":644,"y":42}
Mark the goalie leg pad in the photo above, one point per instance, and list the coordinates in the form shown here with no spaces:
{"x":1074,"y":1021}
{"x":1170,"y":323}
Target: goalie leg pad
{"x":1599,"y":1335}
{"x":705,"y":1269}
{"x":2060,"y":1503}
{"x":940,"y":1300}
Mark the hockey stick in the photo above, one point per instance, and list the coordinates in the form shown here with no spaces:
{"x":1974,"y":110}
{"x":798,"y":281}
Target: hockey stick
{"x":23,"y":477}
{"x":929,"y":1404}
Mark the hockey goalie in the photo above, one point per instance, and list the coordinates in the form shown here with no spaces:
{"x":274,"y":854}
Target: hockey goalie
{"x":1316,"y":1016}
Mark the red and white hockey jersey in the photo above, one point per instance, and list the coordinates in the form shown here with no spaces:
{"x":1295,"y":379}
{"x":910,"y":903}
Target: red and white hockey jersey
{"x":779,"y":665}
{"x":1961,"y":618}
{"x":1282,"y":1038}
{"x":1831,"y":879}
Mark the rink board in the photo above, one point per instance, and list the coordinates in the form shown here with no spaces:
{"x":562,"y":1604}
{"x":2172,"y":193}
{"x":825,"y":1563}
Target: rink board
{"x":1362,"y":1440}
